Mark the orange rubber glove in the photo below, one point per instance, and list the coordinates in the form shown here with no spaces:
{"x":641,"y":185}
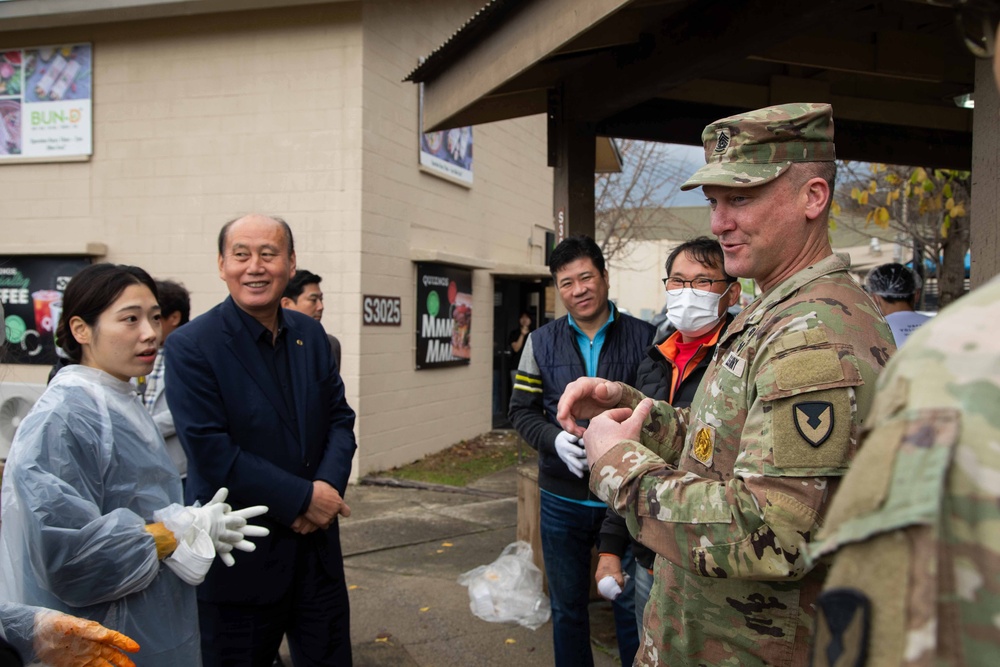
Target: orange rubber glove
{"x":166,"y":543}
{"x":62,"y":640}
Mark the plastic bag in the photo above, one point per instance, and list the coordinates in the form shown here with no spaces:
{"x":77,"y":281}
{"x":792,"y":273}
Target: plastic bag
{"x":508,"y":589}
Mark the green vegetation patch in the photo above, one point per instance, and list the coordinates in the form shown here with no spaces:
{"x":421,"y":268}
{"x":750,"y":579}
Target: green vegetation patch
{"x":465,"y":462}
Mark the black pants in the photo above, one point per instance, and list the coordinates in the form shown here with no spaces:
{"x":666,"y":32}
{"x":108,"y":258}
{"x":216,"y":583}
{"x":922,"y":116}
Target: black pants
{"x":314,"y":613}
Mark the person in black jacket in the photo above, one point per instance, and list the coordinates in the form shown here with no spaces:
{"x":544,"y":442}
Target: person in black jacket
{"x":519,"y":336}
{"x":594,"y":339}
{"x":671,"y":371}
{"x":304,"y":295}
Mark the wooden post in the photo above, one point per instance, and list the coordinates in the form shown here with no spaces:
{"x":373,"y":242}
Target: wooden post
{"x":529,"y":503}
{"x":984,"y":238}
{"x":572,"y":152}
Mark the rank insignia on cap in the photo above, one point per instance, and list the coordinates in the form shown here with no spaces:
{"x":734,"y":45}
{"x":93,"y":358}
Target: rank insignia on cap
{"x":704,"y":445}
{"x":723,"y":142}
{"x":814,"y":421}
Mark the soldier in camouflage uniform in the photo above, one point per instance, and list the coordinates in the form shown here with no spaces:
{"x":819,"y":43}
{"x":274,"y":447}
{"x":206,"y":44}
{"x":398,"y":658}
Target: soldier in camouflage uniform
{"x":730,"y":493}
{"x":916,"y":524}
{"x":915,"y":528}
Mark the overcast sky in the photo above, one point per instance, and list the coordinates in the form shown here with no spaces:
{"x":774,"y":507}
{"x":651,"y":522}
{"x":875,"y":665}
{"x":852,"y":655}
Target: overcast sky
{"x":693,"y":157}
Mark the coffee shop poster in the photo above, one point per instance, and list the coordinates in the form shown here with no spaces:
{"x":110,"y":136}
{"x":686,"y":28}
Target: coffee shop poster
{"x":31,"y":291}
{"x":45,"y":102}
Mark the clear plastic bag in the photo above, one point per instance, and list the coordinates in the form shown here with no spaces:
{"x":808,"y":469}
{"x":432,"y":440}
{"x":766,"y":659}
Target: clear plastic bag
{"x":508,"y":589}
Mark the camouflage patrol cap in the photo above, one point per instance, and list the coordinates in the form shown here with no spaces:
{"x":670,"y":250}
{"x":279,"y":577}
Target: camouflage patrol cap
{"x":756,"y":147}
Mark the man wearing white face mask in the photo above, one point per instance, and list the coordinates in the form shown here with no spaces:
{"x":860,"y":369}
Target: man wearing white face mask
{"x":699,"y":292}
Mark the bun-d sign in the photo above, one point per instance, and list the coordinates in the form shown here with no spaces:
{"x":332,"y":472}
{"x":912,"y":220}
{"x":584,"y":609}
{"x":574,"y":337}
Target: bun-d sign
{"x":381,"y":310}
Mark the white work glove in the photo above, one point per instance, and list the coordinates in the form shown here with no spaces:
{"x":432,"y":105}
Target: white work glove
{"x":228,"y":528}
{"x":224,"y":528}
{"x":194,"y":553}
{"x":609,"y":588}
{"x":193,"y":556}
{"x":570,"y":449}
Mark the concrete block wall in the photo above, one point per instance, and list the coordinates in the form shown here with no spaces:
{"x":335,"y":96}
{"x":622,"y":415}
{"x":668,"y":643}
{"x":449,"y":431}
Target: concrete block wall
{"x":299,"y":112}
{"x":198,"y":120}
{"x":404,"y":413}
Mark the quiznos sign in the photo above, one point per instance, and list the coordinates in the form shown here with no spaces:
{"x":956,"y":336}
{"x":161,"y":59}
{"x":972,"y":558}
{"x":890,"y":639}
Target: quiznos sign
{"x":444,"y":316}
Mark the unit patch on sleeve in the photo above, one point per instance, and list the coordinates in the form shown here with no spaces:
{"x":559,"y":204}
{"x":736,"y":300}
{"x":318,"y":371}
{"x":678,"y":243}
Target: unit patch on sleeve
{"x":843,"y":619}
{"x":814,"y":421}
{"x":812,"y":433}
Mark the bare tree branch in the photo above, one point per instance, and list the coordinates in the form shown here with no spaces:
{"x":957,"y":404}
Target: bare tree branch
{"x":649,"y":180}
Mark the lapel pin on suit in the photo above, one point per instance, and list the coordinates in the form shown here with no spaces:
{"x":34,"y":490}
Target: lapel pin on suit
{"x":298,"y":341}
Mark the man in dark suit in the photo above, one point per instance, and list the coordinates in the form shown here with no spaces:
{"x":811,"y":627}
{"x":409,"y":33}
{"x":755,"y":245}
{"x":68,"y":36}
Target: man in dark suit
{"x":260,"y":409}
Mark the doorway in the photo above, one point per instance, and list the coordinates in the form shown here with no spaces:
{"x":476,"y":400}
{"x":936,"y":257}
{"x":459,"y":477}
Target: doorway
{"x":511,"y":297}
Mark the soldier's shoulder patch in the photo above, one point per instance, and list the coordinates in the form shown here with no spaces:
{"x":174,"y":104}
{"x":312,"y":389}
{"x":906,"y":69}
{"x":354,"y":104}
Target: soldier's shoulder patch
{"x":813,"y":420}
{"x":812,"y":433}
{"x":843,"y":619}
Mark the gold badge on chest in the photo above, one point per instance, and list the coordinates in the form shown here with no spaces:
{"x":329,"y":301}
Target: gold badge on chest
{"x":703,"y":446}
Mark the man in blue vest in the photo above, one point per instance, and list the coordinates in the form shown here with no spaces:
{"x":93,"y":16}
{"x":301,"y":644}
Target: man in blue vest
{"x":593,"y":339}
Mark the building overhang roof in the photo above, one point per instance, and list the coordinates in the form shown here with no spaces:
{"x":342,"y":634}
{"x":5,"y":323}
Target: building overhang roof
{"x":663,"y":69}
{"x":34,"y":14}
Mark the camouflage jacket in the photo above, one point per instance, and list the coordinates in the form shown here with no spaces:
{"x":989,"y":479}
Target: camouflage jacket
{"x":730,"y":493}
{"x":915,"y":528}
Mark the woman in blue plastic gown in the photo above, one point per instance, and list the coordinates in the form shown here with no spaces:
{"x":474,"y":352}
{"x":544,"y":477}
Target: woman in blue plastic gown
{"x":87,"y":471}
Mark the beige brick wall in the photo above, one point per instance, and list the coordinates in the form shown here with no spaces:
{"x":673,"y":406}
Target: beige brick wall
{"x":195,"y":122}
{"x":405,"y":414}
{"x":199,"y":120}
{"x":300,"y":112}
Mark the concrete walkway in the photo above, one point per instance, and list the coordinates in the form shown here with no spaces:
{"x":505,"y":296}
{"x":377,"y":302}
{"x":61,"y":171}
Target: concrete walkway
{"x":404,"y":549}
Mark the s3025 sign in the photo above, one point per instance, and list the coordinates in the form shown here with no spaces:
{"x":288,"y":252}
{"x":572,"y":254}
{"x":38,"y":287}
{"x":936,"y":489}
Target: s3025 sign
{"x":381,"y":310}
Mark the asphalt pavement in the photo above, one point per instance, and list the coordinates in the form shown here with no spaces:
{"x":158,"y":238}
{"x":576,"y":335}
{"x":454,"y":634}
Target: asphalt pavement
{"x":404,"y":549}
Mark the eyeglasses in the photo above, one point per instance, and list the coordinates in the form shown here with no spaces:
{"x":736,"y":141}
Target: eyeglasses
{"x":672,"y":284}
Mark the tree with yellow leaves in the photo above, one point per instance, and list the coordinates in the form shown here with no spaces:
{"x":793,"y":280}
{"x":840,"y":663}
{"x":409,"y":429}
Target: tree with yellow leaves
{"x":929,"y":208}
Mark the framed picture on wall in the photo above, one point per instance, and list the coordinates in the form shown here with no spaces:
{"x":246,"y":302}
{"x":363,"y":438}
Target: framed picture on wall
{"x":45,"y":103}
{"x":446,"y":153}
